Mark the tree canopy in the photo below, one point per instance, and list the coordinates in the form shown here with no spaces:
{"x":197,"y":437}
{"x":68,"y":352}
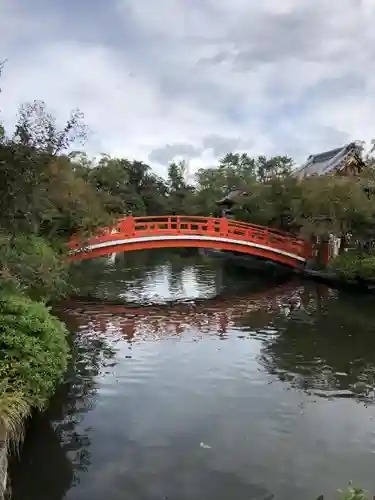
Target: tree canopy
{"x":51,"y":189}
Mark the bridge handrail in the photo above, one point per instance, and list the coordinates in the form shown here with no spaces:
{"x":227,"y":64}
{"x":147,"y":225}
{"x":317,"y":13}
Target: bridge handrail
{"x":138,"y":230}
{"x":202,"y":219}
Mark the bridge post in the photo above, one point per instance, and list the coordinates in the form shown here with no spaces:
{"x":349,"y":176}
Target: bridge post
{"x":127,"y":226}
{"x":178,"y":224}
{"x":224,"y":226}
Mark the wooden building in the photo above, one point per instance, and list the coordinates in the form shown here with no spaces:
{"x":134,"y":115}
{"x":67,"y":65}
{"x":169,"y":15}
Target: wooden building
{"x":346,"y":160}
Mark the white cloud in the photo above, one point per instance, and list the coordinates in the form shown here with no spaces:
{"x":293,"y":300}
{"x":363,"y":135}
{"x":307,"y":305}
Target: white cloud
{"x":270,"y":77}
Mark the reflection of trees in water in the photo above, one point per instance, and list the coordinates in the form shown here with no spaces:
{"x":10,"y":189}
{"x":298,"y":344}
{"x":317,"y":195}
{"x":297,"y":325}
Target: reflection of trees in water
{"x":56,"y":448}
{"x":91,"y":354}
{"x":232,"y":279}
{"x":324,"y":345}
{"x":44,"y":471}
{"x":215,"y":315}
{"x":310,"y":338}
{"x":135,"y":272}
{"x":175,"y":276}
{"x":104,"y":279}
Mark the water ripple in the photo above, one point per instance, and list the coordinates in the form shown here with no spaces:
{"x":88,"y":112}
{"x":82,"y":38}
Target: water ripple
{"x":277,"y":382}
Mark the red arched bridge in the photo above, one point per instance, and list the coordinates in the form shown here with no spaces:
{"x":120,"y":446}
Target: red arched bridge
{"x":139,"y":233}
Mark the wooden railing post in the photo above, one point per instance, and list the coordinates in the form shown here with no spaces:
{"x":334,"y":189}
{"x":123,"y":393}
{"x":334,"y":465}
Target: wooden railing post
{"x":128,"y":226}
{"x":224,"y":226}
{"x":266,"y":236}
{"x":210,"y":226}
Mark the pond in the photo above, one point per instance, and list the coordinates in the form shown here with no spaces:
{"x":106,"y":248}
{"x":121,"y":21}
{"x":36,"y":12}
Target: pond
{"x":194,"y":380}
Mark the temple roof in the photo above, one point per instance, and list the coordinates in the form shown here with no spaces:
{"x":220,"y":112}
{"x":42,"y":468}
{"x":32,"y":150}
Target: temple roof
{"x":329,"y":161}
{"x":233,"y":197}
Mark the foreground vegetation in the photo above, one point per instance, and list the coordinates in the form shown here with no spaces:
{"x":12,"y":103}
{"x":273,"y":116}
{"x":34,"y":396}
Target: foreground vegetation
{"x":34,"y":356}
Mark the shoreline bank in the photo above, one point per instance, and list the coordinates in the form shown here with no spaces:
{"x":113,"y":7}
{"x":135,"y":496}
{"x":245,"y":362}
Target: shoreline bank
{"x":323,"y":276}
{"x":334,"y":280}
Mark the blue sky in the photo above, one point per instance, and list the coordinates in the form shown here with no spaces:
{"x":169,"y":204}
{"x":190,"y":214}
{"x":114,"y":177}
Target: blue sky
{"x":159,"y":79}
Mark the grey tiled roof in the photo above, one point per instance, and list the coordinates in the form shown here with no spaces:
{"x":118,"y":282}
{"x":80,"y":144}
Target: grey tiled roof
{"x":232,"y":197}
{"x":328,"y":161}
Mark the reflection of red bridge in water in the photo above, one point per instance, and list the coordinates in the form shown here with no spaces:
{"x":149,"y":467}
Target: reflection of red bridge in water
{"x":140,"y":233}
{"x":203,"y":317}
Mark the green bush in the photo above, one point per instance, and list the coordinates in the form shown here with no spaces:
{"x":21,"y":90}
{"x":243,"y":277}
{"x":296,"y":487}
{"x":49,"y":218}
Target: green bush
{"x":352,"y":265}
{"x":34,"y":354}
{"x":30,"y":265}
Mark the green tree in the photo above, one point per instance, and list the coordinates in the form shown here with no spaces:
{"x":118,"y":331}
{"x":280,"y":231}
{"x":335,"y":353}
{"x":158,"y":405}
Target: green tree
{"x":29,"y":265}
{"x":154,"y":194}
{"x":37,"y":129}
{"x":371,"y":156}
{"x":275,"y":167}
{"x":40,"y":192}
{"x":334,"y":204}
{"x":111,"y":179}
{"x":272,"y":204}
{"x":180,"y":193}
{"x":235,"y":171}
{"x":126,"y":187}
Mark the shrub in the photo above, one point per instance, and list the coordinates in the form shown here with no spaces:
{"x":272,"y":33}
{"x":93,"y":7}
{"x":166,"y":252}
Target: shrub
{"x":352,"y":265}
{"x":33,"y":357}
{"x":30,"y":265}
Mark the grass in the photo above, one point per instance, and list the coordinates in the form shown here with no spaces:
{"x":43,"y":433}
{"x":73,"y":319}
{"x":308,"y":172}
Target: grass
{"x":14,"y":410}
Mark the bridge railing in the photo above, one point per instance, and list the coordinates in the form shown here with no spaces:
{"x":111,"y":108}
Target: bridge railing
{"x":138,"y":227}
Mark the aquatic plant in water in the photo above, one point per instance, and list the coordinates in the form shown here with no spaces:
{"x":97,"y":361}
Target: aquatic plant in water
{"x":351,"y":493}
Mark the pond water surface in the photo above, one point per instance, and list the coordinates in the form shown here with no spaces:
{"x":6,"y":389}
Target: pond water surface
{"x":211,"y":383}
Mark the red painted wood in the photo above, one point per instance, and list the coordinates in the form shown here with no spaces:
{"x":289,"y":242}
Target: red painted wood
{"x":130,"y":228}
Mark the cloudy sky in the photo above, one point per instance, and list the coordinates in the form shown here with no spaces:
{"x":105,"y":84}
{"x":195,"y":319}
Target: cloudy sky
{"x":196,"y":78}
